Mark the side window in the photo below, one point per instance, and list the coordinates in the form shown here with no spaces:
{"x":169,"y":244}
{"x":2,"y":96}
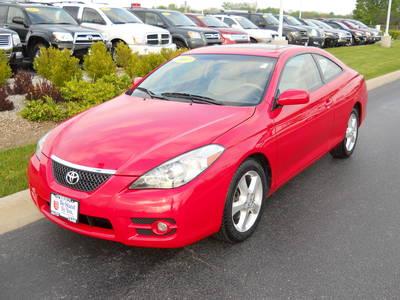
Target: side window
{"x":328,"y":68}
{"x":14,"y":12}
{"x":92,"y":16}
{"x":139,"y":14}
{"x":300,"y":73}
{"x":258,"y":20}
{"x":73,"y":11}
{"x":153,"y":19}
{"x":3,"y":14}
{"x":229,"y":22}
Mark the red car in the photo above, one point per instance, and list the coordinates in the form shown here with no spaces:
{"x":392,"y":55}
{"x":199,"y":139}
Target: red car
{"x":197,"y":146}
{"x":229,"y":35}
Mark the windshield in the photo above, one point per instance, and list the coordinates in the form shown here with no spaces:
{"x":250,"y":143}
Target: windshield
{"x":246,"y":23}
{"x":309,"y":23}
{"x":213,"y":22}
{"x":49,"y":15}
{"x":271,"y":20}
{"x":119,"y":15}
{"x":178,"y":19}
{"x":238,"y":80}
{"x":321,"y":24}
{"x":293,"y":21}
{"x":342,"y":25}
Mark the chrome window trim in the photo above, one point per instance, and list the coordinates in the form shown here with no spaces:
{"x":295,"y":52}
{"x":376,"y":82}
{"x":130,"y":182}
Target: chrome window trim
{"x":82,"y":168}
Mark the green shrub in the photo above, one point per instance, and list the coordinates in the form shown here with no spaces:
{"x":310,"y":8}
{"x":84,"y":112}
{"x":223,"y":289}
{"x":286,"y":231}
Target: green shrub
{"x":170,"y":54}
{"x":123,"y":55}
{"x":395,"y":34}
{"x":58,"y":66}
{"x":5,"y":70}
{"x":98,"y":62}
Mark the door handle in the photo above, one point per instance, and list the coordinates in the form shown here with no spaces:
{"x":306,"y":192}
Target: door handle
{"x":328,"y":103}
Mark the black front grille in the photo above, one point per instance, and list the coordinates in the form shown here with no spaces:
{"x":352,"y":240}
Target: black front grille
{"x":212,"y":36}
{"x":88,"y":181}
{"x":87,"y":38}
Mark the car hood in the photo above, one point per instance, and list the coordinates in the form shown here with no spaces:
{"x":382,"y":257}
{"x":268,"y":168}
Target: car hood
{"x":132,"y":136}
{"x":224,"y":30}
{"x":61,"y":28}
{"x":197,"y":29}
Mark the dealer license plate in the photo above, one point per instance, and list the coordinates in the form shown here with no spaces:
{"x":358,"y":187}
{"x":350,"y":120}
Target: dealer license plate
{"x":64,"y":207}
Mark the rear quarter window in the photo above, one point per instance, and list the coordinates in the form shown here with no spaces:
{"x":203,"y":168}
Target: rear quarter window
{"x":329,"y":69}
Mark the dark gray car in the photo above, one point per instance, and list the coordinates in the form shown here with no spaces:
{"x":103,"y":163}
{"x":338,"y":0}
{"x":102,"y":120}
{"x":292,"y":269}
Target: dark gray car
{"x":10,"y":44}
{"x":185,"y":33}
{"x":44,"y":26}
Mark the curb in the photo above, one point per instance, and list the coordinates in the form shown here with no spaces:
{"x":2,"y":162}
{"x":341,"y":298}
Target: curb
{"x":18,"y":210}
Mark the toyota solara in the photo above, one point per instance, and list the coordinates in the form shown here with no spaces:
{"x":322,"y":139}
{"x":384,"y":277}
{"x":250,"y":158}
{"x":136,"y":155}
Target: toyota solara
{"x":195,"y":148}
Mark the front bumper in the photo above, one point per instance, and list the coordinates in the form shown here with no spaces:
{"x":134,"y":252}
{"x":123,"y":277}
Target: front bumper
{"x":264,"y":40}
{"x":194,"y":210}
{"x":317,"y":42}
{"x":147,"y":49}
{"x":345,"y":41}
{"x":298,"y":40}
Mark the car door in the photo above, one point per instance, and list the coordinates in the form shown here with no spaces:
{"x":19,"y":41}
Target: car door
{"x":92,"y":19}
{"x":302,"y":132}
{"x":22,"y":30}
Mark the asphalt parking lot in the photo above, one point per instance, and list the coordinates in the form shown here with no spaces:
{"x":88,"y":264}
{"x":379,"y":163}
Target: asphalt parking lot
{"x":333,"y":231}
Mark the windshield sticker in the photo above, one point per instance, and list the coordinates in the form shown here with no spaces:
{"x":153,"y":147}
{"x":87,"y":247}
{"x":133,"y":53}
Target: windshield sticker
{"x":184,"y":59}
{"x":105,"y":9}
{"x":166,"y":13}
{"x":32,"y":9}
{"x":264,"y":66}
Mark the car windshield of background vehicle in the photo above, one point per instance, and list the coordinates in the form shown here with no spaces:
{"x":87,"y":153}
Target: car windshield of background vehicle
{"x":178,"y":19}
{"x":213,"y":22}
{"x":49,"y":15}
{"x":322,"y":24}
{"x":120,"y":15}
{"x":311,"y":24}
{"x":237,"y":80}
{"x":293,"y":21}
{"x":342,"y":25}
{"x":245,"y":23}
{"x":271,"y":20}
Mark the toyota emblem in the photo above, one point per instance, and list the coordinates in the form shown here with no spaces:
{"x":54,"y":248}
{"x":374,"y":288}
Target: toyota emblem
{"x":72,"y":177}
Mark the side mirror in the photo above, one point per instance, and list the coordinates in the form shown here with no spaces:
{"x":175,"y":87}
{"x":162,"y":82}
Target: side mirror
{"x":161,"y":24}
{"x":19,"y":20}
{"x":293,"y":97}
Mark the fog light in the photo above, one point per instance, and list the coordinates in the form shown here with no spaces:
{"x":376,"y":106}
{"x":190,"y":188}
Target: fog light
{"x":162,"y":227}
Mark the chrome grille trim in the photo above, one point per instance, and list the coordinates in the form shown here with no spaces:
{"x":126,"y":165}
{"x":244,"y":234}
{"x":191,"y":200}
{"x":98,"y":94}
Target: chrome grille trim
{"x":87,"y":38}
{"x":158,"y":39}
{"x":5,"y":39}
{"x":82,"y":168}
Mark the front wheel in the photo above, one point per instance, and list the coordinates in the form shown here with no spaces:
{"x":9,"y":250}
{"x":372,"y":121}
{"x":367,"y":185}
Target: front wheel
{"x":346,"y":148}
{"x":244,"y":203}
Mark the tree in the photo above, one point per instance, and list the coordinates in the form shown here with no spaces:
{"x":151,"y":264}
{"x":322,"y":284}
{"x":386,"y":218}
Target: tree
{"x":374,"y":12}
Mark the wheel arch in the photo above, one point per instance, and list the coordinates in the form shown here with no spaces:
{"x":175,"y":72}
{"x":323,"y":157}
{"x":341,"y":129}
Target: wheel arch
{"x":266,"y":165}
{"x":33,"y":40}
{"x":359,"y":109}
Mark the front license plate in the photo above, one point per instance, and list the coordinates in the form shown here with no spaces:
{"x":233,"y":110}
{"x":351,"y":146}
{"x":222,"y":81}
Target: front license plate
{"x":64,"y":207}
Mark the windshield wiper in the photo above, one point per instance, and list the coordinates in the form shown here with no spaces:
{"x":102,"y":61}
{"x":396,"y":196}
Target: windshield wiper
{"x":151,"y":94}
{"x":193,"y":98}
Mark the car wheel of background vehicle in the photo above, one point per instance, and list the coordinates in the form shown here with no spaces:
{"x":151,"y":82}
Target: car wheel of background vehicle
{"x":180,"y":44}
{"x":35,"y":50}
{"x":245,"y":202}
{"x":346,"y":148}
{"x":114,"y":47}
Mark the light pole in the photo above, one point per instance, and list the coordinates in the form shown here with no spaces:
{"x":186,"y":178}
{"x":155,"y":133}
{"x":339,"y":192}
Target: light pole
{"x":300,"y":9}
{"x":280,"y":29}
{"x":387,"y":39}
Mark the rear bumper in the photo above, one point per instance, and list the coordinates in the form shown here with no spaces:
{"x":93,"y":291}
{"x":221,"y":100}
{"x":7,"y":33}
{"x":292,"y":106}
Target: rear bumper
{"x":193,"y":210}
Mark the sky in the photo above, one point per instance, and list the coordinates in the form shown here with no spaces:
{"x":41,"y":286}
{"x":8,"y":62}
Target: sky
{"x":336,"y":6}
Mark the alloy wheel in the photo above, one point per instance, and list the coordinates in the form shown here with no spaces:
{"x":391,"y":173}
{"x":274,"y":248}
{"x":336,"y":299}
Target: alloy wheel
{"x":351,"y":132}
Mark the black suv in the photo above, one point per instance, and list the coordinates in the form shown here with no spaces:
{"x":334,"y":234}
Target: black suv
{"x":293,"y":34}
{"x":185,"y":33}
{"x":44,"y":26}
{"x":10,"y":44}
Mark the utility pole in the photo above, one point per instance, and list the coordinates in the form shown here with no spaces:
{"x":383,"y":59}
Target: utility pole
{"x":280,"y":29}
{"x":300,"y":9}
{"x":387,"y":39}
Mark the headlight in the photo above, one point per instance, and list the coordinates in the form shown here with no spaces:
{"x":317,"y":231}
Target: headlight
{"x":313,"y":32}
{"x":180,"y":170}
{"x":358,"y":34}
{"x":194,"y":35}
{"x":16,"y":39}
{"x":63,"y":37}
{"x":40,"y":144}
{"x":294,"y":33}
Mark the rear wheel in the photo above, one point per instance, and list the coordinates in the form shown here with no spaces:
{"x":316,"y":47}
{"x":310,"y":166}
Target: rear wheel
{"x":346,"y":148}
{"x":244,"y":203}
{"x":180,"y":44}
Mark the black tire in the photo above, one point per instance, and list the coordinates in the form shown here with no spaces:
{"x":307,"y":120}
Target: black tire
{"x":228,"y":231}
{"x":180,"y":44}
{"x":341,"y":151}
{"x":35,"y":50}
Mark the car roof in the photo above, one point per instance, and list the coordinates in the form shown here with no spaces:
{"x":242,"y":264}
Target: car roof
{"x":267,"y":50}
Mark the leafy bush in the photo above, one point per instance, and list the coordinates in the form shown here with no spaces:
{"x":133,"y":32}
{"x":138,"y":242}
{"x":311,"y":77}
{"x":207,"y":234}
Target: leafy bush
{"x":22,"y":83}
{"x":395,"y":34}
{"x":123,"y":55}
{"x":169,"y":54}
{"x":58,"y":66}
{"x":5,"y":70}
{"x":98,"y":62}
{"x":48,"y":110}
{"x":5,"y":104}
{"x":42,"y":89}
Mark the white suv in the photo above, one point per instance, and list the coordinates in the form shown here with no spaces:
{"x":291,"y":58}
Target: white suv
{"x":119,"y":25}
{"x":257,"y":35}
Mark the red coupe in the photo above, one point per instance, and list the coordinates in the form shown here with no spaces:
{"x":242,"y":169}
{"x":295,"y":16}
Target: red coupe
{"x":196,"y":147}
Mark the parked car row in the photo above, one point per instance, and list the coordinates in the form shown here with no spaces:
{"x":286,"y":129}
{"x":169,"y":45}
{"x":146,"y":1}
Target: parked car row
{"x":75,"y":26}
